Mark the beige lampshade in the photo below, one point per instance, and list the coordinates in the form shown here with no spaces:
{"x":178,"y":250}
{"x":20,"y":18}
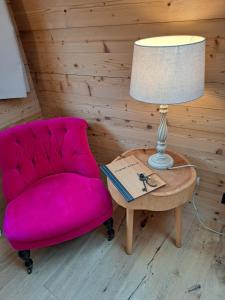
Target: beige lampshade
{"x":168,"y":69}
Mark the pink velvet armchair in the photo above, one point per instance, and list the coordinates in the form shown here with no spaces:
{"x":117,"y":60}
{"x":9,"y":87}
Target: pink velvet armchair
{"x":51,"y":185}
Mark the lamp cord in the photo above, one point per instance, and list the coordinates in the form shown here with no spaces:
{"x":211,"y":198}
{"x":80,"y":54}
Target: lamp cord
{"x":182,"y":166}
{"x":193,"y":201}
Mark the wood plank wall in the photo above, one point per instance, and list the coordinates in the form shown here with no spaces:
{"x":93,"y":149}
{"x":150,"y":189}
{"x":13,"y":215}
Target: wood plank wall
{"x":80,"y":55}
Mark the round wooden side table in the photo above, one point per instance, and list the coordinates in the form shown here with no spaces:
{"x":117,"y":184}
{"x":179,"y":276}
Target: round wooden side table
{"x":179,"y":188}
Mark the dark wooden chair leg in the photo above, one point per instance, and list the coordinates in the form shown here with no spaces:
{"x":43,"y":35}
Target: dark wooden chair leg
{"x":110,"y":231}
{"x":28,"y":262}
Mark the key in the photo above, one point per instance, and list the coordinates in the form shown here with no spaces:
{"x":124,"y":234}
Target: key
{"x":145,"y":187}
{"x":143,"y":178}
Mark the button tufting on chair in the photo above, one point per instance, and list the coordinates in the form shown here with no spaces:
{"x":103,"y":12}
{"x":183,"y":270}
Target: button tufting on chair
{"x":18,"y":167}
{"x":75,"y":152}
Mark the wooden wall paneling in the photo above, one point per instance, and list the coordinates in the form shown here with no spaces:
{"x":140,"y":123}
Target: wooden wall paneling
{"x":33,"y":5}
{"x":211,"y":29}
{"x":61,"y":47}
{"x":18,"y":110}
{"x":114,"y":13}
{"x":80,"y":55}
{"x":97,"y":64}
{"x":81,"y":46}
{"x":107,"y":64}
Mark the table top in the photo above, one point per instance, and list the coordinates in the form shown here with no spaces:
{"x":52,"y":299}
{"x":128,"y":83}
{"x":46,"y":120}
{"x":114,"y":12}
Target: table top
{"x":179,"y":182}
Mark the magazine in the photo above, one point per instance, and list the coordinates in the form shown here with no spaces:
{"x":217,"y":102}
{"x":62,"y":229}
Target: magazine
{"x":132,"y":178}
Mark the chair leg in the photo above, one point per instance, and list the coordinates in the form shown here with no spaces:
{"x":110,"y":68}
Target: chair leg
{"x":110,"y":231}
{"x":28,"y":262}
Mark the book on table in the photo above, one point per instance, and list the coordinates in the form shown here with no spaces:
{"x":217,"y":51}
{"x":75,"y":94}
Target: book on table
{"x":131,"y":177}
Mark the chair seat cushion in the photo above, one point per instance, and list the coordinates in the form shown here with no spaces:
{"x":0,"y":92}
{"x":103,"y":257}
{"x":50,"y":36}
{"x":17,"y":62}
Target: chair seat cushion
{"x":56,"y":205}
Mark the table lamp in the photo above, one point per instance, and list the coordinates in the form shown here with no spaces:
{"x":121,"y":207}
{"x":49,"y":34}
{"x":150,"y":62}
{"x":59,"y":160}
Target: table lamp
{"x":167,"y":70}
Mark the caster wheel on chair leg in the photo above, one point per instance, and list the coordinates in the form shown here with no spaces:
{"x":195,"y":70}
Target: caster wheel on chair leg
{"x":29,"y":266}
{"x":111,"y":235}
{"x":29,"y":270}
{"x":28,"y":262}
{"x":110,"y":231}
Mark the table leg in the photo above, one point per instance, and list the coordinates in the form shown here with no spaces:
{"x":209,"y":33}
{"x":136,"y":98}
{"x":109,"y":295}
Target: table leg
{"x":178,"y":218}
{"x":129,"y":225}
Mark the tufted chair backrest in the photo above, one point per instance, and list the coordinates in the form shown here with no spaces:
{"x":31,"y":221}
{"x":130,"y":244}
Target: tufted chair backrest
{"x":41,"y":148}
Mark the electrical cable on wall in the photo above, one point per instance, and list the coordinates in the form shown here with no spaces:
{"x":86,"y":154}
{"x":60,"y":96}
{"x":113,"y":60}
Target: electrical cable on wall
{"x":194,"y":202}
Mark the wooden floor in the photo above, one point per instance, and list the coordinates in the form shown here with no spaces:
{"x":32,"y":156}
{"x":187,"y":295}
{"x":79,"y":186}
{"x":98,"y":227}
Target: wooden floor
{"x":93,"y":268}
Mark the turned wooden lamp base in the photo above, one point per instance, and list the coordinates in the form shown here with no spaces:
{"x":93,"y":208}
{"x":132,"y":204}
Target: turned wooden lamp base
{"x":161,"y":160}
